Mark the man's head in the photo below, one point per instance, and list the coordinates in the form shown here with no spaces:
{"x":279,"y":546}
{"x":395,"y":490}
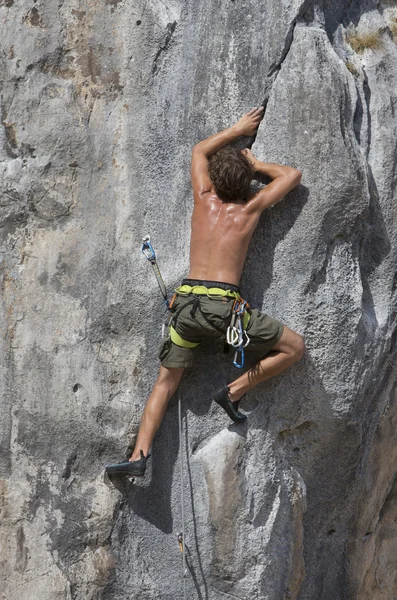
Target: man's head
{"x":231,"y":173}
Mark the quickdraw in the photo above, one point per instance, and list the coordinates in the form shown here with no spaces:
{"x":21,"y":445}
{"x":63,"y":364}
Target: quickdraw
{"x":150,"y":254}
{"x":236,"y":335}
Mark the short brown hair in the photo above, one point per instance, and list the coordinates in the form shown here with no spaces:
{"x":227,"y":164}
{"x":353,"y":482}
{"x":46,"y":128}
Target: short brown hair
{"x":231,"y":173}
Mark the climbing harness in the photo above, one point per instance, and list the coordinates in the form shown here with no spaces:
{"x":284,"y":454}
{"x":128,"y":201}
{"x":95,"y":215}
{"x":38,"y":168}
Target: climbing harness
{"x":181,"y":536}
{"x":150,"y":254}
{"x":236,"y":335}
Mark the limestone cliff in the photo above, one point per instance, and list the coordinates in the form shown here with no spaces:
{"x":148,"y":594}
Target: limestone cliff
{"x":101,"y":102}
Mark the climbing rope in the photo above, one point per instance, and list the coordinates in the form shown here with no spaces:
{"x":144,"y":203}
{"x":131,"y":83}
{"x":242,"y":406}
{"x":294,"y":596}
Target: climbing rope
{"x":150,"y":254}
{"x":181,"y":536}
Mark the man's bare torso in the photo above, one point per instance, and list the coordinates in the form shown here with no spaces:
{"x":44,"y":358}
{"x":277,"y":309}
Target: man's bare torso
{"x":221,"y":233}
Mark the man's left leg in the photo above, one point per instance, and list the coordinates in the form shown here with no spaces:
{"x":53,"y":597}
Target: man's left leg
{"x":164,"y":388}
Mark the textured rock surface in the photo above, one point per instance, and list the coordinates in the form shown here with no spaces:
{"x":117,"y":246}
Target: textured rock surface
{"x":100,"y":105}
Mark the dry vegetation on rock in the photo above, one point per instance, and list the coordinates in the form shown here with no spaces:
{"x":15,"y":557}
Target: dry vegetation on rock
{"x":352,"y":68}
{"x":393,"y":28}
{"x":370,"y":40}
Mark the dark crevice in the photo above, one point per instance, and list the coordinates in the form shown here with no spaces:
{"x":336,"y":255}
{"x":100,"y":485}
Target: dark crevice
{"x":163,"y":48}
{"x":55,"y":63}
{"x":319,"y":276}
{"x":373,"y":248}
{"x":358,"y":118}
{"x":67,"y":471}
{"x":10,"y":142}
{"x":342,"y":123}
{"x":304,"y":16}
{"x":347,"y":118}
{"x":367,"y":97}
{"x":306,"y":7}
{"x":275,"y":68}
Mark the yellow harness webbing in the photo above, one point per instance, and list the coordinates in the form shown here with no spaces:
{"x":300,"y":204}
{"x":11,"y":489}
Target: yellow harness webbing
{"x":246,"y":319}
{"x":180,"y":341}
{"x":201,"y":290}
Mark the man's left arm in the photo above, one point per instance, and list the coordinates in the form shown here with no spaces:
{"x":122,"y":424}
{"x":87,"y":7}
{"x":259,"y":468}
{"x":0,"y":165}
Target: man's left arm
{"x":247,"y":125}
{"x":284,"y":179}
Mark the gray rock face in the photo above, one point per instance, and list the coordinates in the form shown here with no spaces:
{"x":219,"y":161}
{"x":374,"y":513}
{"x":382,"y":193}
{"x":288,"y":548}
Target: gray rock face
{"x":101,"y":103}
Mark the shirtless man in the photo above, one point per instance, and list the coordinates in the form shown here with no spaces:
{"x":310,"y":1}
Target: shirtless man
{"x":224,"y":218}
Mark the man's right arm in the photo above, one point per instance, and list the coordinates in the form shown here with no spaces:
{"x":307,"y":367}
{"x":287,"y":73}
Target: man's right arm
{"x":284,"y":179}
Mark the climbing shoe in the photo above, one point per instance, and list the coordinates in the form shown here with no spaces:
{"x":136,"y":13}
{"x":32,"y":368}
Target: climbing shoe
{"x":135,"y":468}
{"x":222,"y":398}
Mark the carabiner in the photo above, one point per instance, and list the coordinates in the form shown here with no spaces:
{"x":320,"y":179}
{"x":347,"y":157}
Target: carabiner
{"x":239,"y":365}
{"x":247,"y":339}
{"x":232,"y":336}
{"x":148,"y":249}
{"x":241,"y":308}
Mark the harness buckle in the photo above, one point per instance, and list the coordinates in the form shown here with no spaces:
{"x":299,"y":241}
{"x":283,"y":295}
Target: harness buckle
{"x":171,"y":303}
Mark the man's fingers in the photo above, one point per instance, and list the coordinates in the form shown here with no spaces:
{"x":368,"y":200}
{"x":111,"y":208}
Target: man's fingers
{"x":255,"y":111}
{"x":250,"y":121}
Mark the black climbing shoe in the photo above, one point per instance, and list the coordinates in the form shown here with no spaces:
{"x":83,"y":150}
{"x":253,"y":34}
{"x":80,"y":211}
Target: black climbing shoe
{"x":135,"y":468}
{"x":222,"y":398}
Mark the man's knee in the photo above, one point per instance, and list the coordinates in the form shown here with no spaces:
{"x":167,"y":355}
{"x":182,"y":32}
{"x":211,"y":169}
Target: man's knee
{"x":298,"y":347}
{"x":169,"y":379}
{"x":292,"y":344}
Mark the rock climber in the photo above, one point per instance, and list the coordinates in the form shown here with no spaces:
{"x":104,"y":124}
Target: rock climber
{"x":225,"y":215}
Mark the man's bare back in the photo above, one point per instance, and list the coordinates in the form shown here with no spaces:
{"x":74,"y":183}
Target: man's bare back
{"x":220,"y":236}
{"x":222,"y":230}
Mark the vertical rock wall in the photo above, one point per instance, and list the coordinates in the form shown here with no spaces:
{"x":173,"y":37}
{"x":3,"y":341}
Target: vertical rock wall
{"x":101,"y":103}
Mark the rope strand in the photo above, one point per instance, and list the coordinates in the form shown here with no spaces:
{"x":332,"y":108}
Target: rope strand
{"x":181,"y":537}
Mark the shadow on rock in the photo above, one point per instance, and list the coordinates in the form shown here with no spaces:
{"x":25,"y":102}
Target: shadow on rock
{"x":272,"y":228}
{"x":150,"y":498}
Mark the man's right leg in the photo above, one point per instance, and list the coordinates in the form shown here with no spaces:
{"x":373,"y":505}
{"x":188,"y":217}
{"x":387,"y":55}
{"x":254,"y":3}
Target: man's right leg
{"x":164,"y":388}
{"x":288,"y":350}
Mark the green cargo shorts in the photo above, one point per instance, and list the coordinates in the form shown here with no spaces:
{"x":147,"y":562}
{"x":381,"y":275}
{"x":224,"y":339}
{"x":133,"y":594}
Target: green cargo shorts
{"x":210,"y":320}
